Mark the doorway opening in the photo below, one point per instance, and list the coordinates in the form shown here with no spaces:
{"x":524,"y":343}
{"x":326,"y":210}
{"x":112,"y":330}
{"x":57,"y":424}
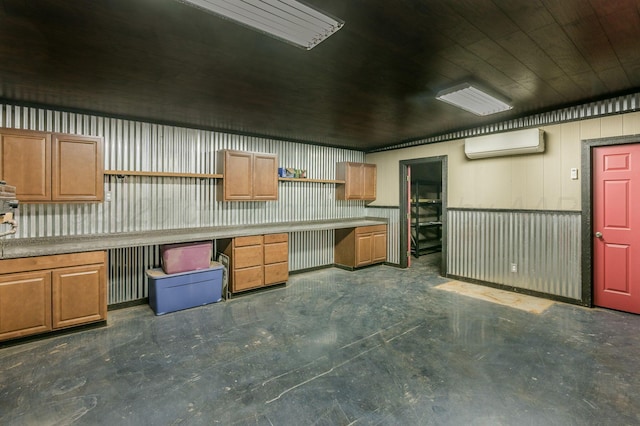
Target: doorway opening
{"x":423,"y":209}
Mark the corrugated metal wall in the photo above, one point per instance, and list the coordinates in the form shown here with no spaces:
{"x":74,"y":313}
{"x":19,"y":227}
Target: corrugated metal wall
{"x":147,"y":203}
{"x":127,"y":266}
{"x":142,"y":203}
{"x":545,"y":246}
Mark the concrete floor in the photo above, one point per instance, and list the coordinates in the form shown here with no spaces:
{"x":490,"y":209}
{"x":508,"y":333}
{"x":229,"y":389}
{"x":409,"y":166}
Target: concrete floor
{"x":378,"y":346}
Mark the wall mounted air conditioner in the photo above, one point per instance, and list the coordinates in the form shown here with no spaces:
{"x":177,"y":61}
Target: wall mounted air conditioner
{"x":519,"y":142}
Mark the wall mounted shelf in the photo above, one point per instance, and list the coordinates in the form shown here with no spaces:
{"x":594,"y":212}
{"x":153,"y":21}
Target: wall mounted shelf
{"x":311,"y":180}
{"x":208,"y":176}
{"x":162,"y":174}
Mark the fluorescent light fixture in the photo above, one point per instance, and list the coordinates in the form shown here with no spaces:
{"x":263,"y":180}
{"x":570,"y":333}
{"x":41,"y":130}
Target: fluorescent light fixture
{"x":287,"y":20}
{"x":470,"y":98}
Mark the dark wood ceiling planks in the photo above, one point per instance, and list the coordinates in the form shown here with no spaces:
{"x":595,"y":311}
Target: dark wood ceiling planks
{"x":371,"y":84}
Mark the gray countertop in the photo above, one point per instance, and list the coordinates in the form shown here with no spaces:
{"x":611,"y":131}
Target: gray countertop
{"x":27,"y":247}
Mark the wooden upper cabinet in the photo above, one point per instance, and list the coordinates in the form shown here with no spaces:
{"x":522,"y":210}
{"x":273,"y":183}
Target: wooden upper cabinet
{"x":78,"y":168}
{"x":47,"y":167}
{"x":25,"y":162}
{"x":248,"y":176}
{"x":359,"y":181}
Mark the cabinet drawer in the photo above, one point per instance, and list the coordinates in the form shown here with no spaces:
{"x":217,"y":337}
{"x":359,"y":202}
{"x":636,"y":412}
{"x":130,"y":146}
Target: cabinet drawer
{"x":369,"y":229}
{"x":244,"y":279}
{"x":276,"y":252}
{"x":52,"y":262}
{"x":244,"y":257}
{"x":275,"y":238}
{"x":251,"y":240}
{"x":276,"y":273}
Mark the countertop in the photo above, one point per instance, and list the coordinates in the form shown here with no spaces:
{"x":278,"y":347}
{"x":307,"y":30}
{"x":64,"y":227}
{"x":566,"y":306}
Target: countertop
{"x":27,"y":247}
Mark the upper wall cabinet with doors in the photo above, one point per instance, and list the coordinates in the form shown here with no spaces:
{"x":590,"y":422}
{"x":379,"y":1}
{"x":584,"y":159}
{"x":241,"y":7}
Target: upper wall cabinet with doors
{"x":52,"y":167}
{"x":359,"y":181}
{"x":247,"y":176}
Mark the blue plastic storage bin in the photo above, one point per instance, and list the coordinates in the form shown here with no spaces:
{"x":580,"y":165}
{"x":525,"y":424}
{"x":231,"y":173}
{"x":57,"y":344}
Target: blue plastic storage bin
{"x":174,"y":292}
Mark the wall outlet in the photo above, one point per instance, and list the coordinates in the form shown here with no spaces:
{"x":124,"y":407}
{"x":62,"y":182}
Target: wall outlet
{"x":514,"y":267}
{"x":107,"y":196}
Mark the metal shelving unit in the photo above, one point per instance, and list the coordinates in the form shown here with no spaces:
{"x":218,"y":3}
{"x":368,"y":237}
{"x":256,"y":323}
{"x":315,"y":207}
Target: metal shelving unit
{"x":426,"y":217}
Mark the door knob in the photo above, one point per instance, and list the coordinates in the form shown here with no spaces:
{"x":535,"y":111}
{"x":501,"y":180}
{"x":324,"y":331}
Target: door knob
{"x":598,"y":234}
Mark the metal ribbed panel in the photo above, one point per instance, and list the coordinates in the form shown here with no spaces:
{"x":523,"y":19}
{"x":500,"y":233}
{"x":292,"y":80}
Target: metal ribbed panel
{"x":127,"y":277}
{"x":310,"y":249}
{"x":145,"y":203}
{"x":618,"y":105}
{"x":142,"y":203}
{"x":545,"y":246}
{"x":392,"y":214}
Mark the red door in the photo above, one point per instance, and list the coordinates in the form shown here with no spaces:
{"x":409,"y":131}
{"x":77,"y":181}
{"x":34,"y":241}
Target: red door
{"x":409,"y":216}
{"x":616,"y":227}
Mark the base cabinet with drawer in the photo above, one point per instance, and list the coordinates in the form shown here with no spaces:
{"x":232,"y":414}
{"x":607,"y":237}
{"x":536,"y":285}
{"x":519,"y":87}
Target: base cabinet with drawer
{"x":46,"y":293}
{"x":361,"y":246}
{"x":256,"y":261}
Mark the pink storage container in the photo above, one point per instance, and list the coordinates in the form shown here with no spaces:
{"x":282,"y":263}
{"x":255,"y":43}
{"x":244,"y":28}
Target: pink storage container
{"x":185,"y":257}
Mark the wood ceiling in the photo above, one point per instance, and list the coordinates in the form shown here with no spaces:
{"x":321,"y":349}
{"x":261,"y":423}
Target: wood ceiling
{"x":370,"y":85}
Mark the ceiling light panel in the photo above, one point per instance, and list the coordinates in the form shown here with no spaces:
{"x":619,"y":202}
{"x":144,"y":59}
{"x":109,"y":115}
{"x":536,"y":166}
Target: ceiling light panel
{"x":287,"y":20}
{"x":473,"y":99}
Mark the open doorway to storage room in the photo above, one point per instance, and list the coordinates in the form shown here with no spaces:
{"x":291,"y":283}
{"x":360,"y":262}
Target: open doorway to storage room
{"x":423,"y":208}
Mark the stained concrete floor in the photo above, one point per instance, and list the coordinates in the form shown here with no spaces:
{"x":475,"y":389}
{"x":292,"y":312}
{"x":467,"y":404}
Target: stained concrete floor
{"x":378,"y":346}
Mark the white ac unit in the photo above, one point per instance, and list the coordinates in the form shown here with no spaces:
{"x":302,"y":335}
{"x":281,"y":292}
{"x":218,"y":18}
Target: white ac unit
{"x":519,"y":142}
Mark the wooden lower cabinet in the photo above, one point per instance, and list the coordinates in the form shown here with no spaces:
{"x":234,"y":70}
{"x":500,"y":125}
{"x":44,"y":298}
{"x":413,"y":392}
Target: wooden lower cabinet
{"x":361,"y":246}
{"x":78,"y":295}
{"x":45,"y":293}
{"x":256,"y":261}
{"x":25,"y":304}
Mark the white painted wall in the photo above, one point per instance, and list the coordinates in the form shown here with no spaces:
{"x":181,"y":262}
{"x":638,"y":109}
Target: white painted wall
{"x":535,"y":182}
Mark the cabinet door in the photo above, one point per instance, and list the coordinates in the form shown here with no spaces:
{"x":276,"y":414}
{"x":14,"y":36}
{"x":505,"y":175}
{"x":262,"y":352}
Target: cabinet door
{"x":78,"y":168}
{"x":379,"y":253}
{"x":265,"y":177}
{"x":354,"y":186}
{"x":237,"y":181}
{"x":369,"y":181}
{"x":79,"y":295}
{"x":25,"y":162}
{"x":364,"y":246}
{"x":25,"y":304}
